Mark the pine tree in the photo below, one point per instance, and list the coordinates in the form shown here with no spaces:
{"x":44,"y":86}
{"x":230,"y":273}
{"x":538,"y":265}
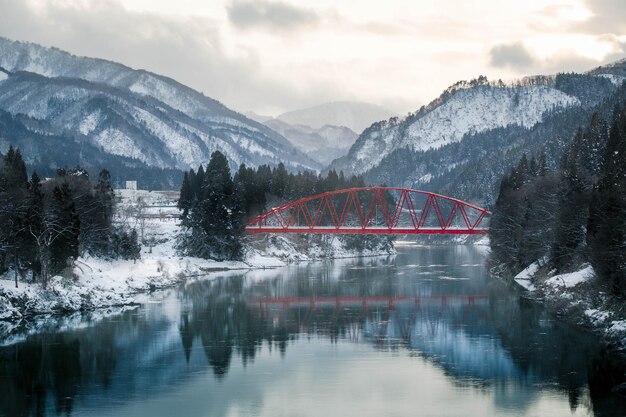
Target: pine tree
{"x":520,"y":176}
{"x":13,"y":195}
{"x":572,"y":214}
{"x":506,"y":223}
{"x":579,"y":171}
{"x":96,"y":215}
{"x":606,"y":230}
{"x":63,"y":211}
{"x":105,"y":196}
{"x":34,"y":222}
{"x":252,"y":192}
{"x":215,"y":222}
{"x":186,"y":197}
{"x":279,"y":180}
{"x":199,"y":184}
{"x":542,"y":165}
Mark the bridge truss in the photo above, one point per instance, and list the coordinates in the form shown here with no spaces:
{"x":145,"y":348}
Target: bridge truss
{"x":374,"y":210}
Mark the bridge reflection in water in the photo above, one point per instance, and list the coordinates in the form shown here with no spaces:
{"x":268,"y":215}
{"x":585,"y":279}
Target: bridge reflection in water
{"x":434,"y":304}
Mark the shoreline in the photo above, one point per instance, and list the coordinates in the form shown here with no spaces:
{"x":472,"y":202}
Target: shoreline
{"x":575,"y":297}
{"x":96,"y":283}
{"x":104,"y":288}
{"x":71,"y":316}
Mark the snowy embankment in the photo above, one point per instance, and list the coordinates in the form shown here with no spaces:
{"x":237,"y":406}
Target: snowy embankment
{"x":98,"y":283}
{"x":575,"y":295}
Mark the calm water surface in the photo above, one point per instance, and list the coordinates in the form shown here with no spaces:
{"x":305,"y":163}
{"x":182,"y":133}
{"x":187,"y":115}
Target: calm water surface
{"x":424,"y":333}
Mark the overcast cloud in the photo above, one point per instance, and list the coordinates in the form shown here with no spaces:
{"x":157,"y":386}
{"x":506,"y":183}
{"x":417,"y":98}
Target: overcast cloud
{"x":273,"y":56}
{"x":608,"y":16}
{"x":270,"y":15}
{"x":518,"y":58}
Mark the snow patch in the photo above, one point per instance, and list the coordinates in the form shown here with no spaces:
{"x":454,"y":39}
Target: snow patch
{"x":529,"y":272}
{"x":572,"y":279}
{"x":524,"y":278}
{"x":117,"y":143}
{"x":597,"y":316}
{"x":89,"y":123}
{"x":615,"y":79}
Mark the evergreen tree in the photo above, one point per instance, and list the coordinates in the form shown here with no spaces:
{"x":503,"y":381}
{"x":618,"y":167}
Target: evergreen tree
{"x":606,"y":230}
{"x":248,"y":188}
{"x":579,"y":171}
{"x":47,"y":224}
{"x":106,"y":197}
{"x":63,"y":211}
{"x":542,"y":165}
{"x":13,"y":196}
{"x":199,"y":184}
{"x":521,"y":227}
{"x":215,"y":223}
{"x":34,"y":213}
{"x":520,"y":176}
{"x":96,"y":214}
{"x":279,"y":180}
{"x":506,"y":223}
{"x":186,"y":196}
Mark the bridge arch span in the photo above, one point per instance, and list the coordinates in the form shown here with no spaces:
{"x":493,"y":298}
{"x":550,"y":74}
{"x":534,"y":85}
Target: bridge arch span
{"x":374,"y":210}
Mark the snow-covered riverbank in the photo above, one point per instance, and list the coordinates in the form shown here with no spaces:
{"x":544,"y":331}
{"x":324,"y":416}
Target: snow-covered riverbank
{"x":578,"y":297}
{"x":98,"y":283}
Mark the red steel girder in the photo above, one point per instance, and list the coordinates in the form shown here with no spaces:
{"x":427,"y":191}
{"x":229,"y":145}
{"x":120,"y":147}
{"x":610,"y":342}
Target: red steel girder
{"x":296,"y":216}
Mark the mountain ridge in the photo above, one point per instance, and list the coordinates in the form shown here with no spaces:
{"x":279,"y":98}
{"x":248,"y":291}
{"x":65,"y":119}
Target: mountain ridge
{"x":322,"y":144}
{"x":351,"y":114}
{"x":393,"y":151}
{"x":161,"y":122}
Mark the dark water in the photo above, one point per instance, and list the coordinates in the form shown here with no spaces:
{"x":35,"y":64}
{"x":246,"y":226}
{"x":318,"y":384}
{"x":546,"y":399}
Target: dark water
{"x":425,"y":333}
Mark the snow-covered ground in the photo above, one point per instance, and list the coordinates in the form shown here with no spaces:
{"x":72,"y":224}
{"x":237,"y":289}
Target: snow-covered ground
{"x":575,"y":295}
{"x":99,"y":283}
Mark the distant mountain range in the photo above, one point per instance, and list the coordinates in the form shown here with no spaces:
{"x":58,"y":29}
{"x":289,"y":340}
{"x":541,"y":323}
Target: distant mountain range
{"x":325,"y":131}
{"x":354,"y":115}
{"x":463,"y":141}
{"x":322,"y":144}
{"x":137,"y":118}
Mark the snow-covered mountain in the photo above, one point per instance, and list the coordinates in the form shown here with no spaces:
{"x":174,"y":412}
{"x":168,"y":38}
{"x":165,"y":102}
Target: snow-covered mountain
{"x":354,"y":115}
{"x":465,"y":108}
{"x":131,"y":113}
{"x":322,"y":144}
{"x":461,"y":134}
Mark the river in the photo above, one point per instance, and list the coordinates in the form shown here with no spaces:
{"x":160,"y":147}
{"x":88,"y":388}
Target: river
{"x":426,"y":332}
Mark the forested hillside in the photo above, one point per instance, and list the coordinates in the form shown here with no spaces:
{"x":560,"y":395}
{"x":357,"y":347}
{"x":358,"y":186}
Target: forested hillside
{"x":572,"y":215}
{"x":462,"y":142}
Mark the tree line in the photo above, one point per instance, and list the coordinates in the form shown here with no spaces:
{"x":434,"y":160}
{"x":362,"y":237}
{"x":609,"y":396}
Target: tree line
{"x":48,"y":223}
{"x":215,"y":205}
{"x":570,"y":216}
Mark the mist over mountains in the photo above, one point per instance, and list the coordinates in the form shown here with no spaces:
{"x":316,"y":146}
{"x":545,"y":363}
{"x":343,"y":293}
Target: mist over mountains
{"x":353,"y":115}
{"x":326,"y":131}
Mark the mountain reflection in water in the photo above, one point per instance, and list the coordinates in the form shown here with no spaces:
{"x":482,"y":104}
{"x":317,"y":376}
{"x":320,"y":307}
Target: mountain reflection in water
{"x":428,"y":307}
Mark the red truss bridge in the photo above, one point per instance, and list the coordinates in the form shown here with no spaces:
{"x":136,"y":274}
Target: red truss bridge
{"x":374,"y":210}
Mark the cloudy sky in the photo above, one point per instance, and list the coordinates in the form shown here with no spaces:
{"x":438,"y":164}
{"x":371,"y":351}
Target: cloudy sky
{"x":271,"y":56}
